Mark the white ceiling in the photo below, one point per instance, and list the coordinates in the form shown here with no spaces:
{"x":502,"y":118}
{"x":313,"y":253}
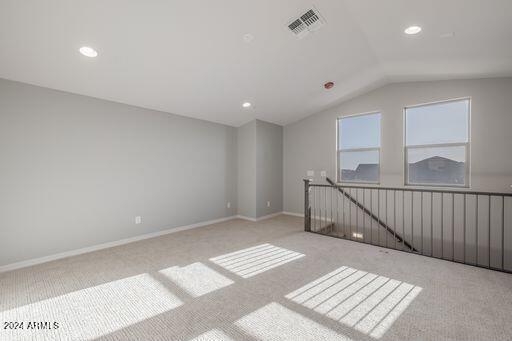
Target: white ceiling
{"x":188,"y":57}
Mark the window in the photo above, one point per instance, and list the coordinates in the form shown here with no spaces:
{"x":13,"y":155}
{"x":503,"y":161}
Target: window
{"x":358,"y":150}
{"x":437,"y":144}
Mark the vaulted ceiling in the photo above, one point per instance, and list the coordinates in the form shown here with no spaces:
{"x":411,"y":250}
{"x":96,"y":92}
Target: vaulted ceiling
{"x":190,"y":58}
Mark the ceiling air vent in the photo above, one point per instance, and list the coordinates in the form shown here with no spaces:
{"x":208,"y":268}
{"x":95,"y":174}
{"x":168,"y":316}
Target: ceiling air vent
{"x":298,"y":28}
{"x":308,"y":22}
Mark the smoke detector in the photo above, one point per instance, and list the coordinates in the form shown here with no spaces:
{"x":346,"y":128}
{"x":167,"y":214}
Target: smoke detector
{"x":308,"y":22}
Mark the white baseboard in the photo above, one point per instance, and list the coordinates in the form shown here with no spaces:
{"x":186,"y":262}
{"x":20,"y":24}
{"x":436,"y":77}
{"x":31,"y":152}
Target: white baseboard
{"x":260,"y":218}
{"x":245,"y":217}
{"x":294,"y":214}
{"x":45,"y":259}
{"x":269,"y":216}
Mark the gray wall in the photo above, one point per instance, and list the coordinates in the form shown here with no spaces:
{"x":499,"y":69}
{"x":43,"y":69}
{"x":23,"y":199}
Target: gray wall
{"x":310,"y":144}
{"x":260,"y":169}
{"x":75,"y":171}
{"x":269,"y":168}
{"x":247,"y":170}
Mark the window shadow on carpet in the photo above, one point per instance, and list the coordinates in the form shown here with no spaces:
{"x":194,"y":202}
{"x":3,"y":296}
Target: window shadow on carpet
{"x":255,"y":260}
{"x":366,"y":302}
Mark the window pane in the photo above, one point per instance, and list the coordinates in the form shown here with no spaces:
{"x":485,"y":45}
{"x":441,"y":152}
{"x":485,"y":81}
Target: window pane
{"x":360,"y":166}
{"x":359,"y":132}
{"x":437,"y":165}
{"x":438,"y":123}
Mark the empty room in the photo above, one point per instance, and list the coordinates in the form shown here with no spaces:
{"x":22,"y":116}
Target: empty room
{"x":256,"y":170}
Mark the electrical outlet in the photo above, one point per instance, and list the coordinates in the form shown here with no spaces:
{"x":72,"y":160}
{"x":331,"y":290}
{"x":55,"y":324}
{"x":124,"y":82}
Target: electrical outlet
{"x":268,"y":203}
{"x":228,"y":205}
{"x":138,"y":220}
{"x":323,"y":174}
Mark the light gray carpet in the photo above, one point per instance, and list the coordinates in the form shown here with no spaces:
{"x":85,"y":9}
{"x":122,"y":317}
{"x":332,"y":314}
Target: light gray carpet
{"x":267,"y":280}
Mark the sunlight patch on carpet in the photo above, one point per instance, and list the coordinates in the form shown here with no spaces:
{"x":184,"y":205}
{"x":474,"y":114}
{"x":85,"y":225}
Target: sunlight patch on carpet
{"x":367,"y":302}
{"x":213,"y":335}
{"x":255,"y":260}
{"x":276,"y":322}
{"x":93,"y":312}
{"x":196,"y":279}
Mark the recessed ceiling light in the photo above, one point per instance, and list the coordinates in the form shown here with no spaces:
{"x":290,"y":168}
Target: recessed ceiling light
{"x":248,"y":37}
{"x":246,"y":105}
{"x":412,"y":30}
{"x":88,"y":51}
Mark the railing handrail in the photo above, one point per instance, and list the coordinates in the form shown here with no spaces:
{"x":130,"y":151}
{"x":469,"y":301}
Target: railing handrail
{"x":408,"y":189}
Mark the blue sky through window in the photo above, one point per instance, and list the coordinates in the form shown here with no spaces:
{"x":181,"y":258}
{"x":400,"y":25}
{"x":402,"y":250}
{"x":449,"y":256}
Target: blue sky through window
{"x":359,"y":131}
{"x":445,"y":122}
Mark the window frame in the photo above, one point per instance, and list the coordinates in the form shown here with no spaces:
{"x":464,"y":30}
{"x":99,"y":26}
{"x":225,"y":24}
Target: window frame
{"x":467,"y":145}
{"x":339,"y":179}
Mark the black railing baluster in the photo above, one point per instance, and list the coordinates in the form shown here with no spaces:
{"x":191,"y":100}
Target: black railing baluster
{"x":325,"y":206}
{"x":319,"y":209}
{"x":331,"y":222}
{"x":327,"y":222}
{"x":403,"y":219}
{"x":489,"y":233}
{"x":319,"y":216}
{"x":453,"y":227}
{"x":350,"y":215}
{"x":307,"y":225}
{"x":322,"y":211}
{"x":326,"y":211}
{"x":387,"y":220}
{"x":476,"y":229}
{"x":378,"y":212}
{"x":312,"y":190}
{"x":337,"y":215}
{"x":364,"y":216}
{"x":503,"y":233}
{"x":442,"y":225}
{"x":357,"y":214}
{"x":421,"y":219}
{"x":432,"y":224}
{"x":464,"y":228}
{"x":394,"y":216}
{"x":343,"y":216}
{"x":412,"y":219}
{"x":314,"y":208}
{"x":371,"y":220}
